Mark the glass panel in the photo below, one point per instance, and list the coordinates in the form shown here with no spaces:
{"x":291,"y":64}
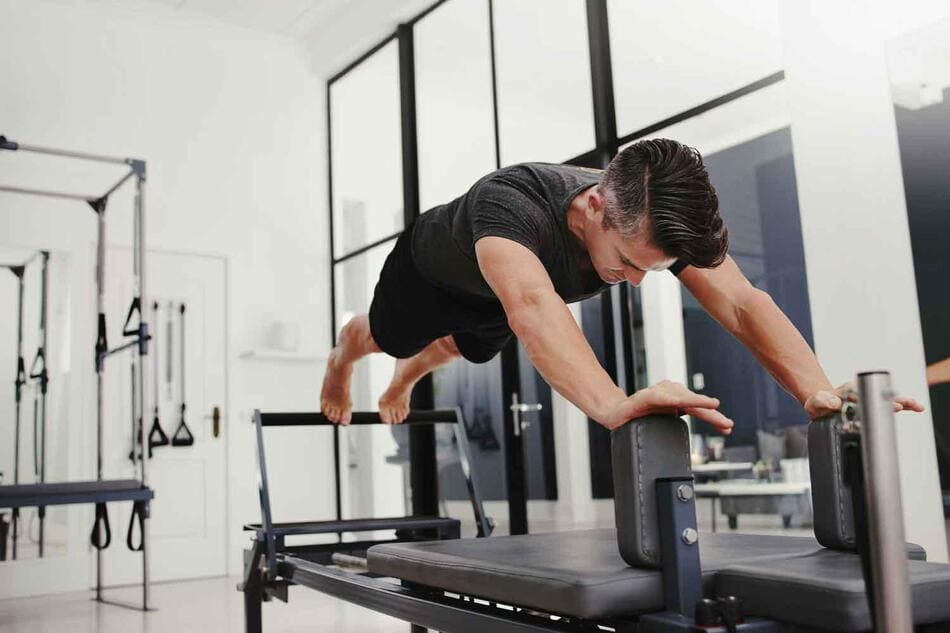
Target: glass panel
{"x":455,"y":121}
{"x":355,"y":281}
{"x":920,"y":84}
{"x":370,"y":449}
{"x":747,"y":149}
{"x":545,"y":111}
{"x":366,"y":152}
{"x":671,"y":56}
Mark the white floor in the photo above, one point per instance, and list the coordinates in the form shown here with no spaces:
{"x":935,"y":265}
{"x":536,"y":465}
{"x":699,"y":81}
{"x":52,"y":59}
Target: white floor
{"x":200,"y":606}
{"x":215,"y":606}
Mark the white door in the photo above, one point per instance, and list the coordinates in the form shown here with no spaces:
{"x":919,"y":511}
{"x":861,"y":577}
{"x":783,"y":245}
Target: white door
{"x":188,"y":535}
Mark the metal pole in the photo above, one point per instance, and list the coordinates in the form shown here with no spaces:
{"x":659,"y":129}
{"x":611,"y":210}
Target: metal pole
{"x":18,"y":387}
{"x":143,"y":352}
{"x":885,"y":515}
{"x":36,"y":149}
{"x":44,"y":382}
{"x":100,"y":358}
{"x":48,"y":194}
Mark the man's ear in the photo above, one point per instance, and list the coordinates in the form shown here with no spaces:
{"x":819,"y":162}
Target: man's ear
{"x":596,"y":204}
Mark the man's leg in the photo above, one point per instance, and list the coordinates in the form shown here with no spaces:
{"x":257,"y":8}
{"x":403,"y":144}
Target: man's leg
{"x":355,"y":342}
{"x":394,"y":403}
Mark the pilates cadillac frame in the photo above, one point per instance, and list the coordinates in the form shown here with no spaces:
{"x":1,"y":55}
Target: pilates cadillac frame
{"x":136,"y":331}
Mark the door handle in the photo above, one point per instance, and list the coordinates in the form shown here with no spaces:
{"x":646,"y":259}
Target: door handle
{"x":519,"y":408}
{"x":215,"y":418}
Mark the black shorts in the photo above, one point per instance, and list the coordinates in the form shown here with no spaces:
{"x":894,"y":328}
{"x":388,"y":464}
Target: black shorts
{"x":409,"y":312}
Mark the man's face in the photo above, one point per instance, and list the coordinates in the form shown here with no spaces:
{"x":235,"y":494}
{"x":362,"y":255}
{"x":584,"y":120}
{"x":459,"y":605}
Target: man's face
{"x":616,"y":258}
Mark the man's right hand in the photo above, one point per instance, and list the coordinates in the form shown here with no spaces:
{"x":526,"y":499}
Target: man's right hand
{"x":672,"y":398}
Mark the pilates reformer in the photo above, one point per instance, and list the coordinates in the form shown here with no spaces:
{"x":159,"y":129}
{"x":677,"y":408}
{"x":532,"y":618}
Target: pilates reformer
{"x":655,"y":573}
{"x":101,"y":491}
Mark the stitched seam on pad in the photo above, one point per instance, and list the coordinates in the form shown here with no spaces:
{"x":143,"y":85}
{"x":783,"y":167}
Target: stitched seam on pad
{"x":640,"y":504}
{"x":836,"y":445}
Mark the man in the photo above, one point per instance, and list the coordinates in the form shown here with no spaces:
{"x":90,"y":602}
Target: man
{"x":507,"y":256}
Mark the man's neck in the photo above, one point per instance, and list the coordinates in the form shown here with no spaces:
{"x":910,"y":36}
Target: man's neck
{"x":577,"y":216}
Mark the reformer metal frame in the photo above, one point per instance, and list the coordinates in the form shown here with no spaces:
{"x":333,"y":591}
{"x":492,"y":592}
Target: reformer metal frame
{"x":266,"y":562}
{"x":139,"y":332}
{"x":268,"y":575}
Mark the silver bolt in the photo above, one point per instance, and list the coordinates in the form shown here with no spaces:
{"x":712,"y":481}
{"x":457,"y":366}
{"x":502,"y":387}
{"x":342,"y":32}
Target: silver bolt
{"x":690,"y":536}
{"x":684,"y":492}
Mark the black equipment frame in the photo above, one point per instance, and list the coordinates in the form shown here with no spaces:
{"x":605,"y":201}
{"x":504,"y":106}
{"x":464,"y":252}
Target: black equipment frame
{"x":136,"y":334}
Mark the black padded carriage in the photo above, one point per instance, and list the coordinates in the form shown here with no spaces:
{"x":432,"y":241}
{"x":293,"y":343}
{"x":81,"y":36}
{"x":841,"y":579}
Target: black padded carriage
{"x":581,"y":574}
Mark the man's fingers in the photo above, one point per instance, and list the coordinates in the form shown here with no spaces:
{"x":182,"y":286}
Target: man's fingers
{"x":909,"y":403}
{"x":713,"y":417}
{"x":679,"y":397}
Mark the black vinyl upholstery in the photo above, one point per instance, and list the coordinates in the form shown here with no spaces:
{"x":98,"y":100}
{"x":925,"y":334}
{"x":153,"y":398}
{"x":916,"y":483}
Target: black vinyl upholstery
{"x":577,"y":573}
{"x":825,"y":590}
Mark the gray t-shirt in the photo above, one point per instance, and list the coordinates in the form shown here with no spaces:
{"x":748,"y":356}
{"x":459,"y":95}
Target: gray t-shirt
{"x":526,"y":203}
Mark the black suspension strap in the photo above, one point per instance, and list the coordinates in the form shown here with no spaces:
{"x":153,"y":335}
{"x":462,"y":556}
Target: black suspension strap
{"x":156,"y":436}
{"x":139,"y":511}
{"x":183,"y":436}
{"x":41,"y":376}
{"x":101,"y":535}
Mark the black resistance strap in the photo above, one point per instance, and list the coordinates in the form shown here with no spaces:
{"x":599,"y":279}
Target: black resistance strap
{"x":139,"y":510}
{"x":183,"y":436}
{"x":101,"y":535}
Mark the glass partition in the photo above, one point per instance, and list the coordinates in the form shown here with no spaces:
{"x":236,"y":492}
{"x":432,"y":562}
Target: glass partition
{"x":366,"y":152}
{"x":668,"y":57}
{"x":455,"y":119}
{"x":545,"y":111}
{"x":747,"y":148}
{"x":919,"y":65}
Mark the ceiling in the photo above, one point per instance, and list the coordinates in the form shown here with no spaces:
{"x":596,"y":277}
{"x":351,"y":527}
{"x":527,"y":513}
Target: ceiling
{"x":290,"y":17}
{"x":332,"y":31}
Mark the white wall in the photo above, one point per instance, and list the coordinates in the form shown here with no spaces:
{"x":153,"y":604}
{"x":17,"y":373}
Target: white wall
{"x":854,"y":224}
{"x":231,"y":122}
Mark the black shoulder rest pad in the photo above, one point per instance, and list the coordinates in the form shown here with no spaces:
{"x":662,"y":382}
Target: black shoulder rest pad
{"x":830,"y":493}
{"x":644,"y":450}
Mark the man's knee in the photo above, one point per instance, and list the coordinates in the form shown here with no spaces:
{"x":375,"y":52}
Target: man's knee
{"x":447,"y":347}
{"x":357,"y":332}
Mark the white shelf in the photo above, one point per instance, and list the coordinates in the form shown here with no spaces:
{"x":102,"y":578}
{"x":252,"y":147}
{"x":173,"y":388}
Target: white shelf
{"x":280,"y":355}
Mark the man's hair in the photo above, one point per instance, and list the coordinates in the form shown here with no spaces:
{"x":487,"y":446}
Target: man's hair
{"x":664,"y":185}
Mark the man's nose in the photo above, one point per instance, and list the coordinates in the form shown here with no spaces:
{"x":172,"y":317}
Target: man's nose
{"x":634,"y":276}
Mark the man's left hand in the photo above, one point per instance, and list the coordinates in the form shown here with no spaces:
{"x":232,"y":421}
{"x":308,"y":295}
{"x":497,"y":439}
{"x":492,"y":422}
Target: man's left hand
{"x":824,"y":403}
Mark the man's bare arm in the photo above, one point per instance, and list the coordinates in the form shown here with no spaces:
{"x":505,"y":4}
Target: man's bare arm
{"x":557,"y":347}
{"x":752,"y":317}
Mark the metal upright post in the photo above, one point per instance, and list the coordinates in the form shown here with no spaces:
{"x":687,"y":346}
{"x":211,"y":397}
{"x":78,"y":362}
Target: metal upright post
{"x":139,"y":255}
{"x":99,"y":206}
{"x":43,"y":377}
{"x":892,"y":601}
{"x":18,"y":394}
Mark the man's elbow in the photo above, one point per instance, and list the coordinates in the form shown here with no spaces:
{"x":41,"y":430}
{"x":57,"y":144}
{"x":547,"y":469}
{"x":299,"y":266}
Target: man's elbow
{"x":525,"y":314}
{"x":755,"y":302}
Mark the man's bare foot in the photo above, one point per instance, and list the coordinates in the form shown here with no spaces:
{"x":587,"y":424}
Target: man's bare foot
{"x":394,"y":403}
{"x":335,"y":400}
